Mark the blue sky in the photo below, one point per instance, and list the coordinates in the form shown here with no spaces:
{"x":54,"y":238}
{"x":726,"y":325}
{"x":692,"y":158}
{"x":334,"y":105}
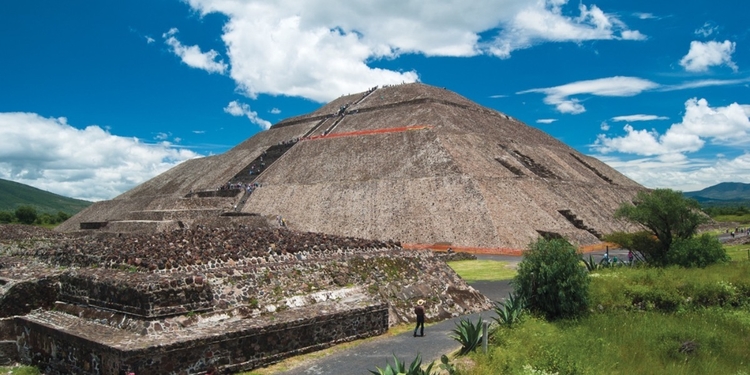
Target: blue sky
{"x":99,"y":96}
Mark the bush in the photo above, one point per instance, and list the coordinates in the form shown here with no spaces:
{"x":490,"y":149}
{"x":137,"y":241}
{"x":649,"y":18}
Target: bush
{"x":551,"y":280}
{"x":6,"y":217}
{"x":699,"y":251}
{"x":26,"y":214}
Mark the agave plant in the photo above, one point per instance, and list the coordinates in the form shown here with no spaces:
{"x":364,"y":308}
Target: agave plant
{"x":591,"y":265}
{"x":468,"y":334}
{"x":399,"y":368}
{"x":510,"y":311}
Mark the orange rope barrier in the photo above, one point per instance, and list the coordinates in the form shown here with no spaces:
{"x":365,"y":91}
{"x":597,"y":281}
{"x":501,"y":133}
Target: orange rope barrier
{"x":368,"y":132}
{"x":496,"y":250}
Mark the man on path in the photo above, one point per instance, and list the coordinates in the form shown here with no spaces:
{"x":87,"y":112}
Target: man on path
{"x":419,"y":311}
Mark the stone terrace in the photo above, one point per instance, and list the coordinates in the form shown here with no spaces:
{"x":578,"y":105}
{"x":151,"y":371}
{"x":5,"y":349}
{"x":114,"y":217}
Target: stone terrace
{"x":188,"y":300}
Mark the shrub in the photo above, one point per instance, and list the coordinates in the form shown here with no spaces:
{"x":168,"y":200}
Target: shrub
{"x":699,"y":251}
{"x":468,"y":334}
{"x":551,"y":280}
{"x":26,"y":214}
{"x":6,"y":217}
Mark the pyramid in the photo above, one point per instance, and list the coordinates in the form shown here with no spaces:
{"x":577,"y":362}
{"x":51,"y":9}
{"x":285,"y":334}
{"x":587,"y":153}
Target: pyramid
{"x":414,"y":163}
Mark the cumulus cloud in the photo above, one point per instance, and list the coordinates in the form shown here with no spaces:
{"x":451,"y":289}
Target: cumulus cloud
{"x":149,"y":40}
{"x":275,"y":111}
{"x":543,"y":21}
{"x":682,"y":173}
{"x":546,"y":120}
{"x":604,"y":126}
{"x":639,"y":117}
{"x":704,"y":55}
{"x":700,"y":123}
{"x":236,"y":108}
{"x":560,"y":96}
{"x":193,"y":56}
{"x":320,"y":49}
{"x":89,"y":163}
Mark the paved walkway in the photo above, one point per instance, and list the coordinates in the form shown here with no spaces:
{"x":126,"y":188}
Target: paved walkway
{"x":379,"y":352}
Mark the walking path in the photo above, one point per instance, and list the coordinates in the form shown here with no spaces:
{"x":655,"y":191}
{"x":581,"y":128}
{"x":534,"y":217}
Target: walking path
{"x":379,"y":352}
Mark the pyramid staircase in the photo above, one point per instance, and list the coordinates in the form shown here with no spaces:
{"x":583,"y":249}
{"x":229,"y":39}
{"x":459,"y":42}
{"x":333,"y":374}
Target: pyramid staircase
{"x":578,"y":223}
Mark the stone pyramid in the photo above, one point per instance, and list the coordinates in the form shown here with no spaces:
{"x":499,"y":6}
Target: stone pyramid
{"x":413,"y":163}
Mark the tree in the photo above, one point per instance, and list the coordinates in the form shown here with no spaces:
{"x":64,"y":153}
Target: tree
{"x":551,"y":280}
{"x":26,"y":214}
{"x":6,"y":217}
{"x":668,"y":215}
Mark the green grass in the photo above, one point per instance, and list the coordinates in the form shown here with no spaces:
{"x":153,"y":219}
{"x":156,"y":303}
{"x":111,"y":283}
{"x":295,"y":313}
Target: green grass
{"x":483,"y":270}
{"x":742,"y":219}
{"x":641,"y":321}
{"x":19,"y":370}
{"x":738,"y":252}
{"x":624,"y":343}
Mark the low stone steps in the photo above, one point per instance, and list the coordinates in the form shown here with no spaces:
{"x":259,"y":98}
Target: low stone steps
{"x":179,"y":214}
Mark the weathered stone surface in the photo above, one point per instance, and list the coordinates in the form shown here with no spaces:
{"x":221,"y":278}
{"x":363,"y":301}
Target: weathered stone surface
{"x":185,"y":300}
{"x":413,"y":163}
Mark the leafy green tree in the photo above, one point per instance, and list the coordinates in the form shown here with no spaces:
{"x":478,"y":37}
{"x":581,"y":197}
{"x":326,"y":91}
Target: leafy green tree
{"x":6,"y":217}
{"x":62,"y":216}
{"x":26,"y":214}
{"x":668,"y":215}
{"x":698,"y":251}
{"x":552,"y":281}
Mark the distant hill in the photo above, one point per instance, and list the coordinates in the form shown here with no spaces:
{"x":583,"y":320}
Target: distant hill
{"x":725,"y":193}
{"x":13,"y":194}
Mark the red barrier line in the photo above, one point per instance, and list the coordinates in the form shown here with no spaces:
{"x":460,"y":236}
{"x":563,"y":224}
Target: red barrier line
{"x":495,"y":250}
{"x":368,"y":132}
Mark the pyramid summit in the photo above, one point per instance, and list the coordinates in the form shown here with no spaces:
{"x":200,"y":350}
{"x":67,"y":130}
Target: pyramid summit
{"x":413,"y":163}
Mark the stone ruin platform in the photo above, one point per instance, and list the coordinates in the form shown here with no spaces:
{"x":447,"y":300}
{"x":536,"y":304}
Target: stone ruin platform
{"x":187,"y":301}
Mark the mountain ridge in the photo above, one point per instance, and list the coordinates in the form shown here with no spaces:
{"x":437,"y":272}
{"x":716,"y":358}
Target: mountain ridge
{"x":14,"y":194}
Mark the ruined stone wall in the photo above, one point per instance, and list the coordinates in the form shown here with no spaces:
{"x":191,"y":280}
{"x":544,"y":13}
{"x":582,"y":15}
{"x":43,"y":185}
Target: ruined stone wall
{"x":45,"y":342}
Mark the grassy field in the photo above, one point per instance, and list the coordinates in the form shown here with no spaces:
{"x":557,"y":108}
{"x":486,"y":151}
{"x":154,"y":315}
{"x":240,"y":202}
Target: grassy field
{"x":741,"y":219}
{"x":483,"y":270}
{"x":738,"y":252}
{"x":642,"y":321}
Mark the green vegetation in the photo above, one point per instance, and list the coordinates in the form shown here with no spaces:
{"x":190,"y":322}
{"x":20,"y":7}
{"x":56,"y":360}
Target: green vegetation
{"x":510,"y":311}
{"x":482,"y":270}
{"x":13,"y":195}
{"x":667,"y":215}
{"x":400,"y":368}
{"x":19,"y":370}
{"x":551,"y":280}
{"x":670,"y":320}
{"x":468,"y":334}
{"x":28,"y":215}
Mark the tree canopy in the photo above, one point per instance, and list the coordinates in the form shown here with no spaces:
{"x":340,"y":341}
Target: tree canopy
{"x":667,"y":215}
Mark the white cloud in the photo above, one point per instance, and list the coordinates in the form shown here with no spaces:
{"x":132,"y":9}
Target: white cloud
{"x":543,"y":21}
{"x":275,"y":111}
{"x":707,"y":29}
{"x":161,"y":136}
{"x":193,"y":56}
{"x":681,"y":173}
{"x":149,"y":40}
{"x":645,"y":16}
{"x":320,"y":49}
{"x":199,"y":132}
{"x":639,"y":117}
{"x":560,"y":96}
{"x":546,"y":120}
{"x":604,"y":126}
{"x":89,"y":163}
{"x":704,"y":83}
{"x":704,"y":55}
{"x":724,"y":125}
{"x":235,"y":108}
{"x":498,"y":96}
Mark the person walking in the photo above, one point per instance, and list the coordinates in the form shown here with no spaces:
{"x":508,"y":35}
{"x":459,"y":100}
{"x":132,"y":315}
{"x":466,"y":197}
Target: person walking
{"x":419,"y":311}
